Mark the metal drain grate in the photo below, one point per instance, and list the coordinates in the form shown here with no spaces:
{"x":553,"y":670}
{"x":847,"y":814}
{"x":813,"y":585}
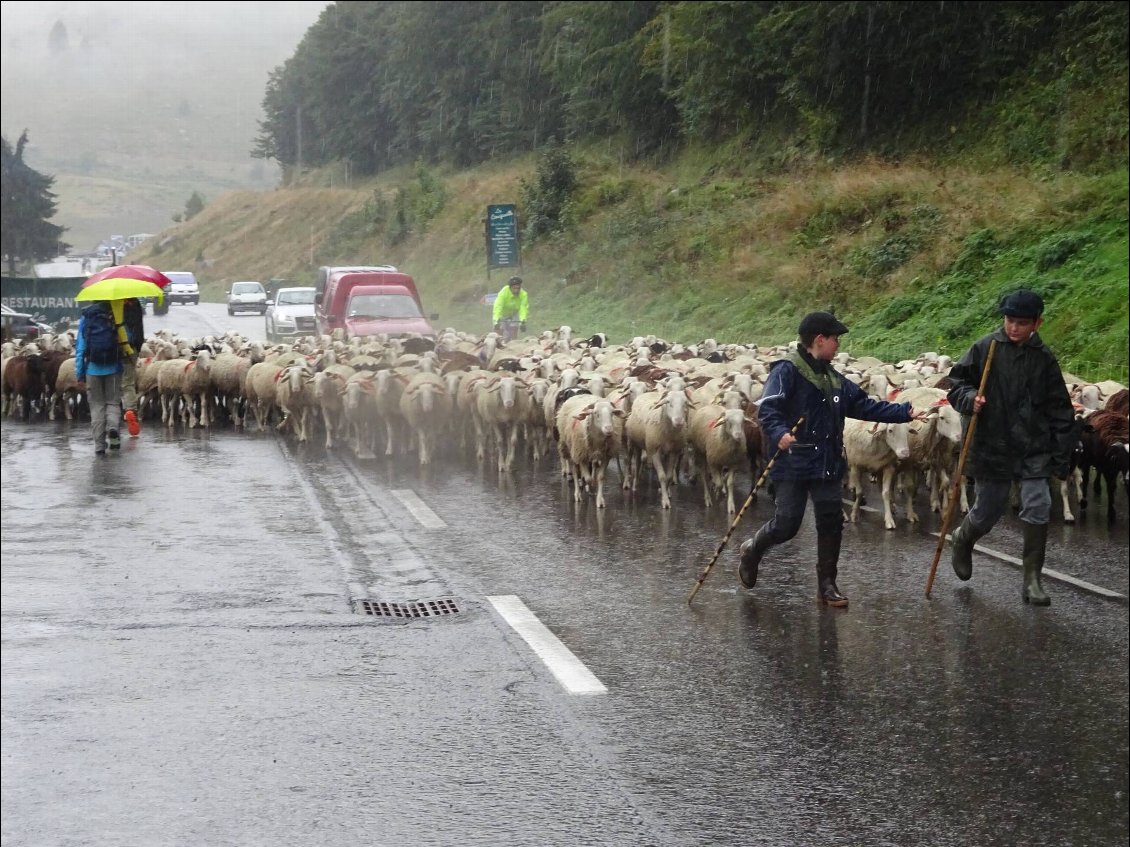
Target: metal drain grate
{"x":410,"y":609}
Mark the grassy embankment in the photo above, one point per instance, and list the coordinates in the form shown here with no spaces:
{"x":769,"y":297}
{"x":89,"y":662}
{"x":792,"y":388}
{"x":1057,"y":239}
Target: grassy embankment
{"x":912,"y":255}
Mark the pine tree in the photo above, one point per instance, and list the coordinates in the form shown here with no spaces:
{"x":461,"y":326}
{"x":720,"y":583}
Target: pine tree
{"x":26,"y":206}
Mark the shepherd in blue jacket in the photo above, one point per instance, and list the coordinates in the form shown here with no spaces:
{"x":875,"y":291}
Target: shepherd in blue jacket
{"x":811,"y":462}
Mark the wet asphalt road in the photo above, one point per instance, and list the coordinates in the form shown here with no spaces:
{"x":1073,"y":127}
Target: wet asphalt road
{"x":182,"y":663}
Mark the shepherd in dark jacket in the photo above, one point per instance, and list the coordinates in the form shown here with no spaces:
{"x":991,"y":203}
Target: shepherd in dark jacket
{"x":811,"y":463}
{"x":133,"y":320}
{"x":1025,"y":433}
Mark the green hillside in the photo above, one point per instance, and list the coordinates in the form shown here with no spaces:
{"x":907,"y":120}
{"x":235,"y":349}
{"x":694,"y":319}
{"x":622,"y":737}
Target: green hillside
{"x":914,"y":256}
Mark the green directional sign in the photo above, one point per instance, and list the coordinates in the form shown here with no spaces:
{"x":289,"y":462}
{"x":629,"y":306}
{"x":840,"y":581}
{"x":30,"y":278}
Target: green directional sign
{"x":52,"y":298}
{"x":502,"y":236}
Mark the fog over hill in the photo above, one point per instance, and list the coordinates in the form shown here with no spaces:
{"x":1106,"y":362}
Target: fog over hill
{"x":133,"y":106}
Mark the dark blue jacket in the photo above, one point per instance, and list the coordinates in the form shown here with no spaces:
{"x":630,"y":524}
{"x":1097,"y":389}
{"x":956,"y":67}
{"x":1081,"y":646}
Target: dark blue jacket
{"x":819,"y":451}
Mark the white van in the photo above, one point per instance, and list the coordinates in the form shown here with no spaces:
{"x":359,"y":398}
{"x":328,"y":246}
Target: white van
{"x":182,"y":288}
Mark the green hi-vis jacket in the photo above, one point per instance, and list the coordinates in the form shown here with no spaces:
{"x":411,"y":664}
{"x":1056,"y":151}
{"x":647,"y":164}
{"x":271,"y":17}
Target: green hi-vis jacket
{"x":506,"y":305}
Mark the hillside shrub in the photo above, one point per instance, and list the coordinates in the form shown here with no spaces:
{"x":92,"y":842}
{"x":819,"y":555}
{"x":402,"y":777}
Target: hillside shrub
{"x":546,"y":198}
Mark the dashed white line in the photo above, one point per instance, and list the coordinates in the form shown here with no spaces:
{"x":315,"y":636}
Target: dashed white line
{"x":569,"y":670}
{"x":418,"y":509}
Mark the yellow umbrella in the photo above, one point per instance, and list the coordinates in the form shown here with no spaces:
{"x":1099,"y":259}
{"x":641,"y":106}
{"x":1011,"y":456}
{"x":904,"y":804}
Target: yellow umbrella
{"x":118,"y":288}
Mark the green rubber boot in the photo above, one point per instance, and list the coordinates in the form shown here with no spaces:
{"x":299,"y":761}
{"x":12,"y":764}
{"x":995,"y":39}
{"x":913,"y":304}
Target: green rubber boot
{"x":1035,"y":547}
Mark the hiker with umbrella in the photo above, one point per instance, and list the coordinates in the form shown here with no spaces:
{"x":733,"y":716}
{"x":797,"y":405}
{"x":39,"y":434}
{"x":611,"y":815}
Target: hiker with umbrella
{"x":107,"y":348}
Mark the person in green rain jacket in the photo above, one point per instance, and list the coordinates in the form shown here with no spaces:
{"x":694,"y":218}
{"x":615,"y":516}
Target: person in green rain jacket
{"x":512,"y":301}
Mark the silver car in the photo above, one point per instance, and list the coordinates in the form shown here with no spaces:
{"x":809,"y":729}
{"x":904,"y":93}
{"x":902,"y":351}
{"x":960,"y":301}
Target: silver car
{"x":290,"y":314}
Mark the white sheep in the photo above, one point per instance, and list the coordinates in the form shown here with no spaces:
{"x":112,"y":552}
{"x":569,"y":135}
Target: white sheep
{"x":328,"y":387}
{"x":717,"y":435}
{"x":502,"y":404}
{"x":360,"y":414}
{"x":934,"y":447}
{"x":657,"y":426}
{"x":874,"y":448}
{"x":170,"y":379}
{"x":296,"y":399}
{"x":424,"y":406}
{"x":260,"y":391}
{"x":590,"y":436}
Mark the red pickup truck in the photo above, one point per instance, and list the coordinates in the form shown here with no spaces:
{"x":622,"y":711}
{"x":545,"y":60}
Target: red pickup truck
{"x":371,"y":303}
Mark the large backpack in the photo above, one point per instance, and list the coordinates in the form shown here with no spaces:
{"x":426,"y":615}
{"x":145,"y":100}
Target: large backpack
{"x":100,"y":336}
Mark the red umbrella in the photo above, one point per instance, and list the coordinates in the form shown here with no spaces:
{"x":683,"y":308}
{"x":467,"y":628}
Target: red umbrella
{"x":138,"y":272}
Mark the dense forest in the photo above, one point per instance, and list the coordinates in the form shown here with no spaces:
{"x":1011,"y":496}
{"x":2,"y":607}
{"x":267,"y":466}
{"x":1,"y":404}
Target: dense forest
{"x":382,"y":84}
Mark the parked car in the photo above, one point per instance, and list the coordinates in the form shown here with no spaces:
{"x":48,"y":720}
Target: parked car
{"x":247,"y":296}
{"x":18,"y":326}
{"x":182,"y":288}
{"x":290,"y":313}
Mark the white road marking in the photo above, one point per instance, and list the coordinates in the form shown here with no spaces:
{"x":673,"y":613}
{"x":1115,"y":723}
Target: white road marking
{"x":418,"y":509}
{"x":569,"y":670}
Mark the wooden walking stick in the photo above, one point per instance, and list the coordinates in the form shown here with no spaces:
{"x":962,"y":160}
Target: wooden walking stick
{"x":722,"y":544}
{"x":955,"y":494}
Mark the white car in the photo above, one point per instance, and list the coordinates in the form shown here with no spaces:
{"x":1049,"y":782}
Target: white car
{"x":247,"y":296}
{"x":290,"y":314}
{"x":182,"y":288}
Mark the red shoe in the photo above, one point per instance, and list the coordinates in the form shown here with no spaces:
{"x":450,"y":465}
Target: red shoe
{"x":132,"y":423}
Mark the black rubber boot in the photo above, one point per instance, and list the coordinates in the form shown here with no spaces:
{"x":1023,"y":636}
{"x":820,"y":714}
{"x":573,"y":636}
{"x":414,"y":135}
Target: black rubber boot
{"x":961,"y":557}
{"x":1035,"y":547}
{"x":827,"y":567}
{"x":753,"y":549}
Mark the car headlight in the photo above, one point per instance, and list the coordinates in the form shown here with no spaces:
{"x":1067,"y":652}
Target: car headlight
{"x":285,"y":319}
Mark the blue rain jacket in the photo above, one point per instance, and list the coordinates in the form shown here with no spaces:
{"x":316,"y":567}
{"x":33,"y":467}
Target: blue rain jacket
{"x":825,"y":399}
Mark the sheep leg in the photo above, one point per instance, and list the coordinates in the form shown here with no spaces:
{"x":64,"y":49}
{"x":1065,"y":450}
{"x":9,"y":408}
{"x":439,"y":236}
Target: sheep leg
{"x":629,"y":480}
{"x":1064,"y":489}
{"x":855,"y":486}
{"x":910,"y":484}
{"x":728,"y":487}
{"x":189,"y":413}
{"x":888,"y":512}
{"x":500,"y":447}
{"x":657,"y":462}
{"x":512,"y":448}
{"x":390,"y":437}
{"x":598,"y":473}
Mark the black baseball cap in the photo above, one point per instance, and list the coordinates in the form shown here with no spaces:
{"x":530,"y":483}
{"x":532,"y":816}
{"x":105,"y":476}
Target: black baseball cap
{"x":821,"y":323}
{"x":1022,"y":304}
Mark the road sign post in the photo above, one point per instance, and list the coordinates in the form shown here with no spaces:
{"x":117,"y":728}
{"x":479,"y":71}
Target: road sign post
{"x":503,"y":250}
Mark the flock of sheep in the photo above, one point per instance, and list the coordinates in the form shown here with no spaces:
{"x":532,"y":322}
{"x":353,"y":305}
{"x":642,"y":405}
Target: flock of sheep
{"x":687,"y":411}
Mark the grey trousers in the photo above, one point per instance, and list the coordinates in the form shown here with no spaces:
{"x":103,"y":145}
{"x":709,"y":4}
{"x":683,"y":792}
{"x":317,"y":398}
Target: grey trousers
{"x":992,"y":499}
{"x":129,"y":383}
{"x":104,"y":393}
